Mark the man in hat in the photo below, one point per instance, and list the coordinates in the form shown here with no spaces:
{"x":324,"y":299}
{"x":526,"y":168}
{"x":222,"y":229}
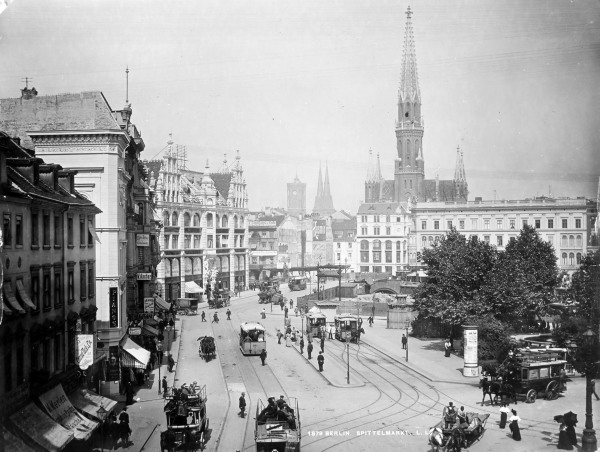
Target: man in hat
{"x":203,"y":315}
{"x":263,"y":356}
{"x":165,"y":386}
{"x":302,"y":345}
{"x":228,"y":314}
{"x":320,"y":360}
{"x":309,"y":349}
{"x":242,"y":405}
{"x":281,"y":402}
{"x":449,"y":415}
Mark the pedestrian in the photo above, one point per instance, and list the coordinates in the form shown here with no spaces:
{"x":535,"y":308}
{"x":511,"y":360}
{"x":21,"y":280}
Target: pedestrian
{"x":309,"y":349}
{"x":296,"y":311}
{"x":124,"y":416}
{"x":263,"y":314}
{"x":404,"y":342}
{"x":449,"y":415}
{"x":215,"y":318}
{"x":291,"y":303}
{"x":503,"y":415}
{"x":320,"y":360}
{"x":228,"y":314}
{"x":129,"y":393}
{"x":323,"y":344}
{"x":165,"y":386}
{"x":563,"y":380}
{"x":159,"y":352}
{"x":302,"y":345}
{"x":447,"y":347}
{"x":285,"y":312}
{"x":281,"y":304}
{"x":288,"y":339}
{"x":161,"y":325}
{"x":171,"y":362}
{"x":263,"y":356}
{"x":279,"y":336}
{"x":563,"y":438}
{"x":330,"y":331}
{"x":570,"y":423}
{"x":203,"y":315}
{"x":593,"y":388}
{"x":514,"y":425}
{"x":242,"y":412}
{"x":370,"y":320}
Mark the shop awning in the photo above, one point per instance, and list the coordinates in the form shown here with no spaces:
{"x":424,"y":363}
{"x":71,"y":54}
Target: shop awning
{"x":11,"y":442}
{"x":149,"y":330}
{"x":134,"y":355}
{"x":192,"y":287}
{"x":9,"y":295}
{"x":4,"y":306}
{"x":92,"y":230}
{"x":23,"y":294}
{"x":89,"y":402}
{"x":161,"y":304}
{"x":47,"y":433}
{"x":59,"y":408}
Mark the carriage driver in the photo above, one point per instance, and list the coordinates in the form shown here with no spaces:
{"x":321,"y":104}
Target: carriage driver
{"x":449,"y":415}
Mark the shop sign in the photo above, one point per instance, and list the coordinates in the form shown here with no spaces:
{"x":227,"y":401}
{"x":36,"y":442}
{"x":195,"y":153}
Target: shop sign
{"x":149,"y":304}
{"x":144,"y":276}
{"x":113,"y":303}
{"x":85,"y":350}
{"x":142,"y":240}
{"x":135,"y":331}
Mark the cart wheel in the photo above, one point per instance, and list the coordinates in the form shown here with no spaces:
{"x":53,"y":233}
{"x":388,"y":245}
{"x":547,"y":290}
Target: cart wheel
{"x":552,"y":390}
{"x":531,"y":396}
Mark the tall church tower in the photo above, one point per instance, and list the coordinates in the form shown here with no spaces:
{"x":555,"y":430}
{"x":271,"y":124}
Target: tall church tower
{"x":409,"y":167}
{"x":296,"y":197}
{"x":323,"y":201}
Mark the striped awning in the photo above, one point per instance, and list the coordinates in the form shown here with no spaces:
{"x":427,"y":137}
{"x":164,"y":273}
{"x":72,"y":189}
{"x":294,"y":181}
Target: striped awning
{"x":161,"y":304}
{"x":9,"y":295}
{"x":134,"y":355}
{"x":192,"y":287}
{"x":24,"y":296}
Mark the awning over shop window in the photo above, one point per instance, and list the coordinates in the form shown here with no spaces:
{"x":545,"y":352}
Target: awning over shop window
{"x":47,"y":433}
{"x":134,"y":355}
{"x":23,"y":294}
{"x":9,"y":295}
{"x":92,"y":230}
{"x":11,"y":442}
{"x":161,"y":304}
{"x":148,"y":330}
{"x":5,"y":307}
{"x":192,"y":287}
{"x":59,"y":408}
{"x":89,"y":402}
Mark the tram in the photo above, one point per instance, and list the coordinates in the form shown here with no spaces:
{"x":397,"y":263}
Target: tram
{"x":346,"y":327}
{"x":252,"y":338}
{"x":297,"y":283}
{"x":315,"y":321}
{"x":277,"y":428}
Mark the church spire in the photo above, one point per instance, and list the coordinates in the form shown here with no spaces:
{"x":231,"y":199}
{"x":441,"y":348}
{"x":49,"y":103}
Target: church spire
{"x":409,"y":81}
{"x":460,"y":177}
{"x":326,"y":188}
{"x":323,"y":200}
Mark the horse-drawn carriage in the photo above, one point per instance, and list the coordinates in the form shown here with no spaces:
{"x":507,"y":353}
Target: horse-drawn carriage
{"x":527,"y":373}
{"x":187,"y":422}
{"x":457,"y":435}
{"x":187,"y":306}
{"x":219,"y":301}
{"x":207,"y":348}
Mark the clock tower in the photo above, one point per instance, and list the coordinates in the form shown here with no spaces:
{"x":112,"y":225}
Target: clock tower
{"x":296,"y":197}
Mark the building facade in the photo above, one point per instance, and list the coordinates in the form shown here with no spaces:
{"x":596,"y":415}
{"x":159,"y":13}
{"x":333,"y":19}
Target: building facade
{"x":567,"y":224}
{"x":343,"y":232}
{"x":204,"y":239}
{"x":48,"y":253}
{"x":267,"y":257}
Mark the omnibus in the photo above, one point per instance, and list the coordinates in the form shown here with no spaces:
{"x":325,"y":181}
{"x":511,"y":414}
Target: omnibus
{"x":297,"y":283}
{"x":314,"y":323}
{"x":252,"y":338}
{"x":346,"y":327}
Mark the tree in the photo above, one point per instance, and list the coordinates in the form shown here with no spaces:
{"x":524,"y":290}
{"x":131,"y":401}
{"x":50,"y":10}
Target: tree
{"x":456,"y":269}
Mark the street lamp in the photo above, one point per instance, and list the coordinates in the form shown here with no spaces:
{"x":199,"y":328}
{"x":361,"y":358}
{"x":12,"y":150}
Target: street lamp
{"x":102,"y":413}
{"x":407,"y":324}
{"x":588,"y":440}
{"x":302,"y":317}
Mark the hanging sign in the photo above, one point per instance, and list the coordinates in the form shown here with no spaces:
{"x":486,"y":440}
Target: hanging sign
{"x":85,"y":350}
{"x":142,"y":240}
{"x":144,"y":276}
{"x":113,"y":307}
{"x":149,"y":304}
{"x":135,"y":331}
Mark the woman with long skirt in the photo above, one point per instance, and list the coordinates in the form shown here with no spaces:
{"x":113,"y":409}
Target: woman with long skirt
{"x":564,"y":443}
{"x":514,"y":426}
{"x":503,"y":415}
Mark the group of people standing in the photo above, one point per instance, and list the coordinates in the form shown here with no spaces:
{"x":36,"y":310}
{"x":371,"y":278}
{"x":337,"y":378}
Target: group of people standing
{"x":513,"y":421}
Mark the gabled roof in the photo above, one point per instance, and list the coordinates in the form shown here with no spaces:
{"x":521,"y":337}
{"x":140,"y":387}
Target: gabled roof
{"x":222,"y":182}
{"x":381,"y":208}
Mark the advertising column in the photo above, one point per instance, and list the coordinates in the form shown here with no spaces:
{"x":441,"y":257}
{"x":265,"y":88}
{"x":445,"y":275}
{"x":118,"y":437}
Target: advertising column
{"x":471,"y":364}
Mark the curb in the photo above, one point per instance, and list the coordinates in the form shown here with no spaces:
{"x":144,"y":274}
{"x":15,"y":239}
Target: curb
{"x":418,"y":371}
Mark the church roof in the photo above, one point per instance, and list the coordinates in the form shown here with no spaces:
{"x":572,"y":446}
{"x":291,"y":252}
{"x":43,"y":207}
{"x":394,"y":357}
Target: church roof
{"x":445,"y":192}
{"x":381,"y":208}
{"x":222,"y":182}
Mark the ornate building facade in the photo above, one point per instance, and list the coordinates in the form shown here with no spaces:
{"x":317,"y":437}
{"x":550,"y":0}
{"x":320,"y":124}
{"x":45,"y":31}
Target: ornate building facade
{"x":205,"y":227}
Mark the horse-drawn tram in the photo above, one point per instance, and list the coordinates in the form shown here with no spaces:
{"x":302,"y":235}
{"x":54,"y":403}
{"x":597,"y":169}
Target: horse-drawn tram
{"x":277,"y":426}
{"x":187,"y":422}
{"x":315,"y":323}
{"x":252,"y":338}
{"x":346,"y":327}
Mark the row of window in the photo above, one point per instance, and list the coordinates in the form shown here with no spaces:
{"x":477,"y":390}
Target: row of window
{"x":567,"y":241}
{"x":537,"y":223}
{"x":211,"y":221}
{"x":377,"y":218}
{"x":377,"y":256}
{"x":364,"y":245}
{"x":376,"y":230}
{"x":380,"y":269}
{"x":192,"y":241}
{"x":348,"y":257}
{"x":51,"y":230}
{"x":339,"y":245}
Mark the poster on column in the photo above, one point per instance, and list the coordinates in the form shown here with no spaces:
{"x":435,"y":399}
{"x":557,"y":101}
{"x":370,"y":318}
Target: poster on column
{"x":471,"y":358}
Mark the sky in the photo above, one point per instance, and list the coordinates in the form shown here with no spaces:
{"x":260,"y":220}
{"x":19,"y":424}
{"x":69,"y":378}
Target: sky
{"x":297,"y":84}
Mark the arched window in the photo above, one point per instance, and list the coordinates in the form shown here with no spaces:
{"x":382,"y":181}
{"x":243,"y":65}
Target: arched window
{"x":196,"y":219}
{"x":571,"y":259}
{"x":166,"y":218}
{"x":242,"y":222}
{"x":430,"y":239}
{"x":209,"y":220}
{"x":578,"y":240}
{"x":578,"y":258}
{"x":217,"y":220}
{"x":563,"y":241}
{"x":235,"y":221}
{"x":400,"y":151}
{"x":187,"y":219}
{"x":424,"y":240}
{"x":388,"y":244}
{"x":398,"y":245}
{"x":224,"y":221}
{"x":376,"y":244}
{"x":564,"y":258}
{"x":408,"y":153}
{"x":571,"y":241}
{"x":174,"y":219}
{"x":364,"y":245}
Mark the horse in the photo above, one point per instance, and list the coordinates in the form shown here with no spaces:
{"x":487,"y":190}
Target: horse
{"x":484,"y":384}
{"x":452,"y":442}
{"x":501,"y":390}
{"x":436,"y":439}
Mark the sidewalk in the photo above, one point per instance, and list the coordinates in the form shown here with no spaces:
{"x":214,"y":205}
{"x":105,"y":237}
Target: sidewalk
{"x":425,"y":356}
{"x":146,"y":414}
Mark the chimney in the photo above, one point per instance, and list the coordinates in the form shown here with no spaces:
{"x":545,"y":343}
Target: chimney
{"x":3,"y":173}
